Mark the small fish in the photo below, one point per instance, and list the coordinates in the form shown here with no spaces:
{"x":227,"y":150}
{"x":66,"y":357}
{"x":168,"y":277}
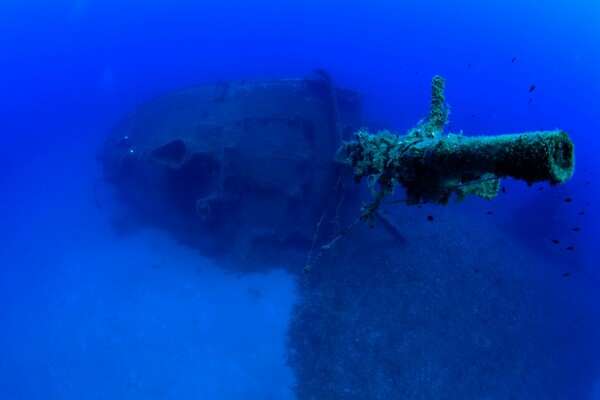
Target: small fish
{"x":566,"y":274}
{"x":570,"y":248}
{"x":587,"y":182}
{"x":576,"y":229}
{"x":472,"y":115}
{"x":469,"y":66}
{"x":541,"y":188}
{"x":531,"y":88}
{"x":489,"y":213}
{"x":430,"y":218}
{"x":529,"y":101}
{"x":568,"y":200}
{"x":513,"y":60}
{"x":581,"y":212}
{"x":476,"y":269}
{"x":503,"y":189}
{"x":555,"y":241}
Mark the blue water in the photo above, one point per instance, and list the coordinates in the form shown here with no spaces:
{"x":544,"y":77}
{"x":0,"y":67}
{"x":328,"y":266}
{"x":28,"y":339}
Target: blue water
{"x":86,"y":313}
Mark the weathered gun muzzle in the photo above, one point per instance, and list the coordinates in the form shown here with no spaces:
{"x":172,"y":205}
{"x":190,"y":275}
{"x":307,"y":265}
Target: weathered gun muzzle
{"x":531,"y":157}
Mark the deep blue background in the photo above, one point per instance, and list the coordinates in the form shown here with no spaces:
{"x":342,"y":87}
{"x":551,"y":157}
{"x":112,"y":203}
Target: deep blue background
{"x":70,"y":69}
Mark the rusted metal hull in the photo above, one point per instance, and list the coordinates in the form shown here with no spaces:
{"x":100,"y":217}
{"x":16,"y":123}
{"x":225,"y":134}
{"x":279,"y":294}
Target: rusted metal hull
{"x":245,"y":160}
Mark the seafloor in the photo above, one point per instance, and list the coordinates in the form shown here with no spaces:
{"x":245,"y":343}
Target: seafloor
{"x":452,"y":308}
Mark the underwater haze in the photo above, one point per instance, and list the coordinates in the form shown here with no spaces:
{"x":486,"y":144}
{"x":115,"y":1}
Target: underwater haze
{"x":479,"y":299}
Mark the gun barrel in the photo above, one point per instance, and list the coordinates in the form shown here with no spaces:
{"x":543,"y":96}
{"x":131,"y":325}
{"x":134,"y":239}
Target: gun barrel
{"x":432,"y":168}
{"x":531,"y":157}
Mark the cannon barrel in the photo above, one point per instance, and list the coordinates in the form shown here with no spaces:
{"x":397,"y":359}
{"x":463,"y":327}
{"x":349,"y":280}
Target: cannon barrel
{"x":532,"y":157}
{"x":432,"y":168}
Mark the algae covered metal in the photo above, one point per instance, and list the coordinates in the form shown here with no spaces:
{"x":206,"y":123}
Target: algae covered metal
{"x":433,"y":169}
{"x":432,"y":165}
